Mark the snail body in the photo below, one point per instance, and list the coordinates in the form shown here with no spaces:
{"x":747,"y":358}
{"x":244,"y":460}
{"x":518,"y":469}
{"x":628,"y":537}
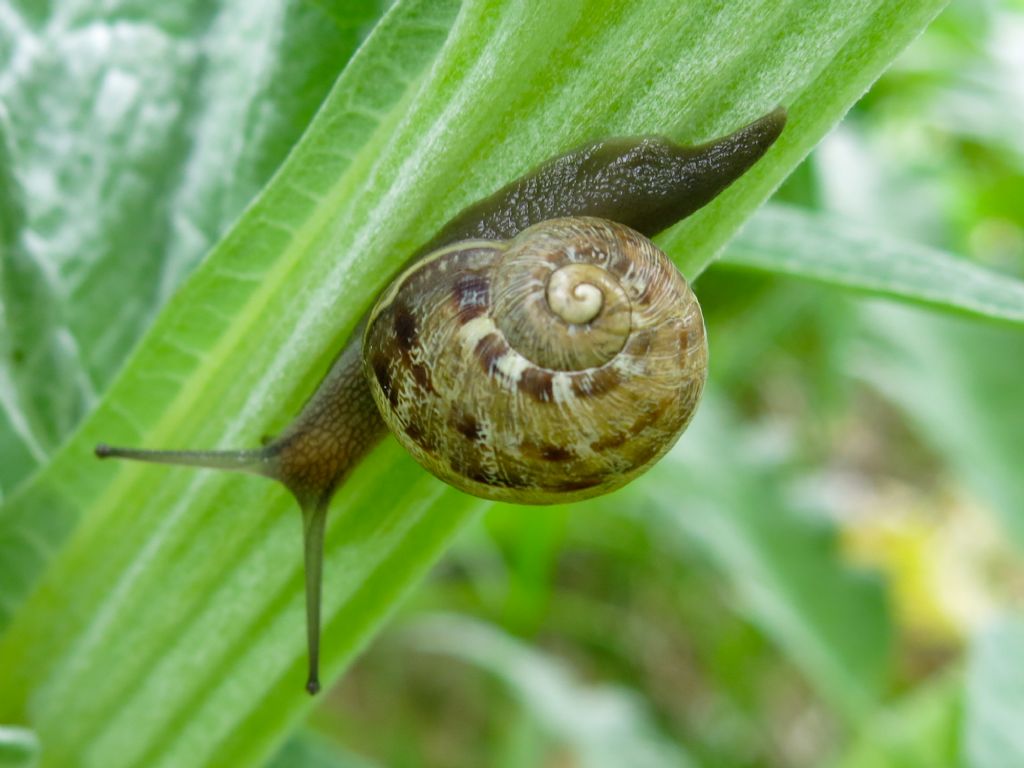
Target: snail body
{"x":538,"y":349}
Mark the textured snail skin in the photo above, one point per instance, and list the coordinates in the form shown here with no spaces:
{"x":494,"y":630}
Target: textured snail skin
{"x":618,"y":324}
{"x":647,"y":183}
{"x":475,"y":372}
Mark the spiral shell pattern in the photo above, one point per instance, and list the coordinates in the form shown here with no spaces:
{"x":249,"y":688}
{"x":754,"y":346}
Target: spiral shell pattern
{"x":553,"y":367}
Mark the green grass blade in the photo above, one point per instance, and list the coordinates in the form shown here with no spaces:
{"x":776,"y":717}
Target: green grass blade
{"x":308,"y":750}
{"x":719,"y":492}
{"x":966,"y":406}
{"x":920,"y":729}
{"x":177,"y":593}
{"x":603,"y":726}
{"x":19,"y":747}
{"x":817,"y":247}
{"x":994,"y":707}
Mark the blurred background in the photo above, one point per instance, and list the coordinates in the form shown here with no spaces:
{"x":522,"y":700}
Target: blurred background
{"x":816,"y":575}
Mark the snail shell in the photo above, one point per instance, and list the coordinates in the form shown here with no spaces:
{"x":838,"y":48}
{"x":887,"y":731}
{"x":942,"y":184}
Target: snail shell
{"x":551,"y":367}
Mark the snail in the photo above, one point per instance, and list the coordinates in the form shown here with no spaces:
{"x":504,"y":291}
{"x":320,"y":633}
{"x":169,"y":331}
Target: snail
{"x":539,"y":349}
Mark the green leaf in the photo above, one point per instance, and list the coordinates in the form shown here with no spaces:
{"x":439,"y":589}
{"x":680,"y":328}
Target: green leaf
{"x":959,"y":384}
{"x":720,"y":490}
{"x":919,"y":730}
{"x":603,"y":726}
{"x":822,"y":248}
{"x":307,"y":750}
{"x":176,"y":592}
{"x":19,"y":747}
{"x":995,"y":698}
{"x":133,"y":135}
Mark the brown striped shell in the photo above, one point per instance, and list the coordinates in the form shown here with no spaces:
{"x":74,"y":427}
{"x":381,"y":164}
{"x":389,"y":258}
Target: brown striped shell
{"x":552,"y":367}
